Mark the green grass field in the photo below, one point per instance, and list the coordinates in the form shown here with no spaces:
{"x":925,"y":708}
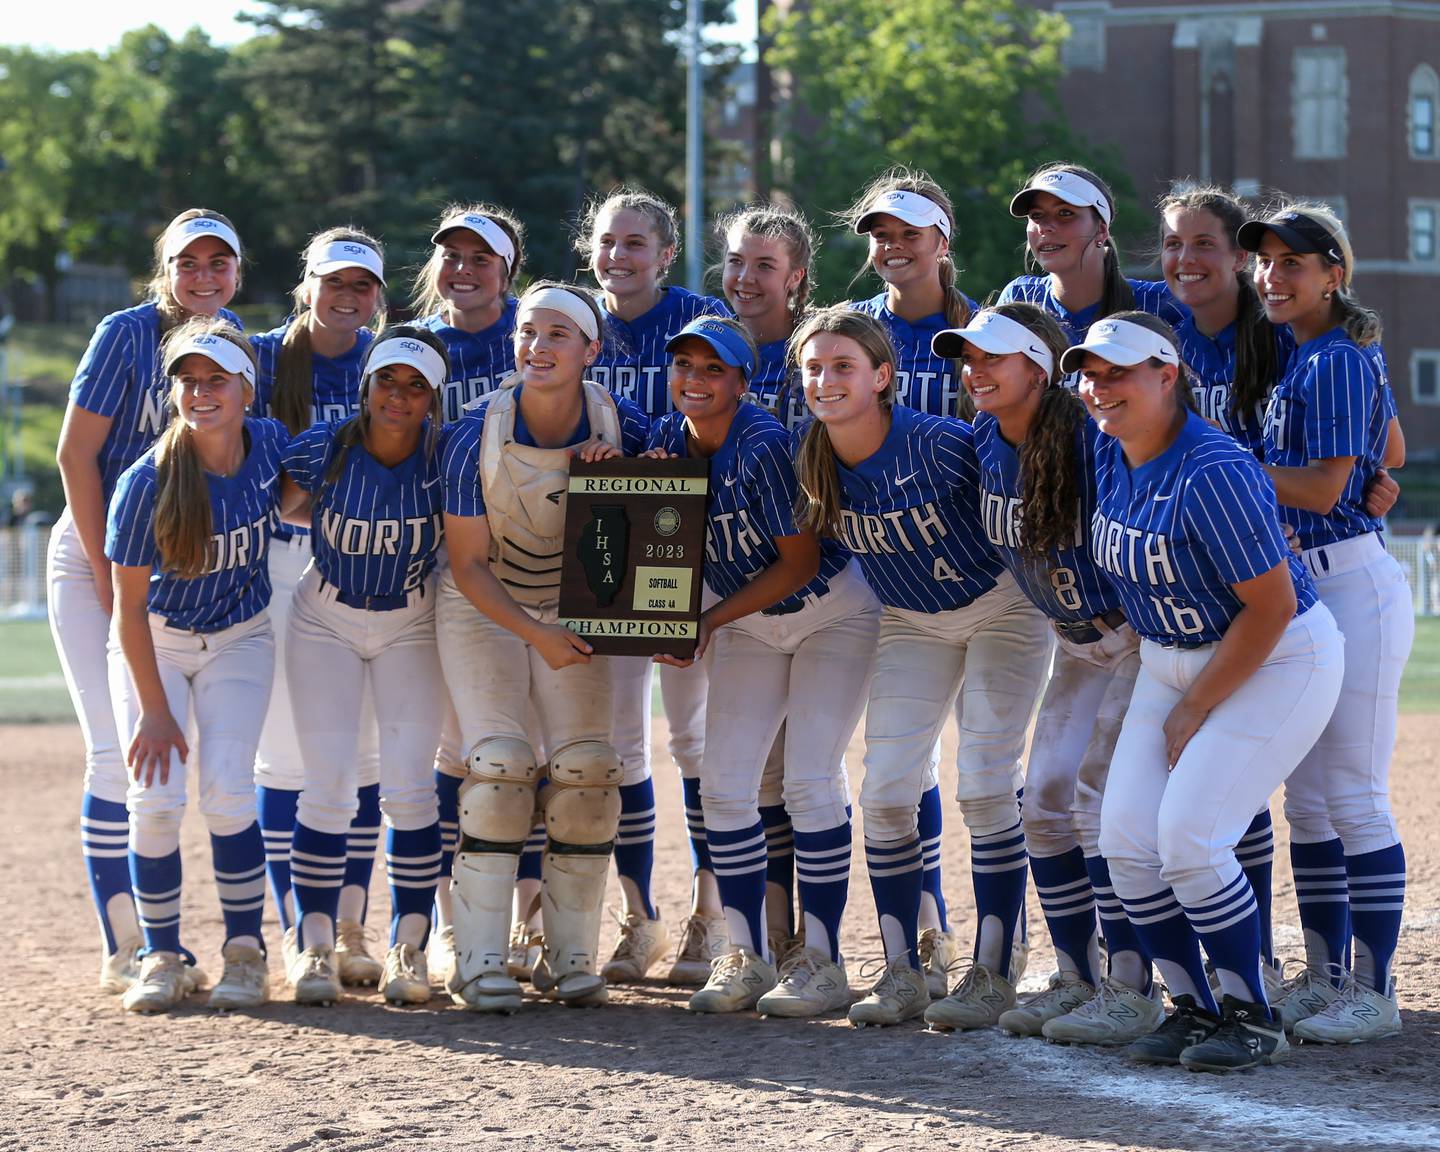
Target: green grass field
{"x":32,"y":690}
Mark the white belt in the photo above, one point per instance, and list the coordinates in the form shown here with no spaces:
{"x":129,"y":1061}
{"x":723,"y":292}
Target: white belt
{"x":1343,"y":555}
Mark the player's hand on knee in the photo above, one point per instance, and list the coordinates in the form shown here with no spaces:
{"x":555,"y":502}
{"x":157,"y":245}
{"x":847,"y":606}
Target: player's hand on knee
{"x":559,"y":647}
{"x":596,"y":449}
{"x":1381,"y":492}
{"x":149,"y":753}
{"x":1182,"y":723}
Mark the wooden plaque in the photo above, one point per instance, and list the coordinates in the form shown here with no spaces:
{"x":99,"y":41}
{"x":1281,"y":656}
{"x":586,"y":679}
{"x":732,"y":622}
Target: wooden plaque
{"x":631,"y":576}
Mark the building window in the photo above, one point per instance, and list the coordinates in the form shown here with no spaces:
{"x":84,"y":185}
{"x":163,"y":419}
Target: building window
{"x":1424,"y":102}
{"x":1084,"y":48}
{"x":1425,"y":376}
{"x":1424,"y":226}
{"x":1319,"y":95}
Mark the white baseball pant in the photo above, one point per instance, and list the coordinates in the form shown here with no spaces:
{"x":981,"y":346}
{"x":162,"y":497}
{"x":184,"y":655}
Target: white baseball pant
{"x":335,"y":656}
{"x":1342,"y":787}
{"x":809,"y":669}
{"x":1178,"y":827}
{"x":996,"y":651}
{"x":218,"y":685}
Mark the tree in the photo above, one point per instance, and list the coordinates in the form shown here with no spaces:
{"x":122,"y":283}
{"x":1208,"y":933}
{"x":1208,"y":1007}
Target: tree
{"x":965,"y":89}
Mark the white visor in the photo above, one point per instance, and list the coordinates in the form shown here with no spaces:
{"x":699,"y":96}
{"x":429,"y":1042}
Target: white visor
{"x":910,"y":207}
{"x":1120,"y":342}
{"x":997,"y":334}
{"x":1074,"y":190}
{"x":230,"y":357}
{"x":183,"y":235}
{"x":405,"y":350}
{"x":345,"y":254}
{"x":486,"y":229}
{"x":563,"y":301}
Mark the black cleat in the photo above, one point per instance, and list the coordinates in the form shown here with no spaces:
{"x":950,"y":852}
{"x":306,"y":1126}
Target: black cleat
{"x":1247,"y":1038}
{"x":1185,"y":1027}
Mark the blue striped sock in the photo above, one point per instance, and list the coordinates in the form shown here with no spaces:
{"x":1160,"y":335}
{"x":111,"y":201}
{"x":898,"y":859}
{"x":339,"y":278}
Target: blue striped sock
{"x":695,"y":825}
{"x":739,"y":860}
{"x":104,"y":843}
{"x":1063,"y":885}
{"x":1256,"y":853}
{"x":780,"y":852}
{"x":156,"y":883}
{"x":412,"y":866}
{"x":360,"y":844}
{"x":240,"y":878}
{"x":998,"y":872}
{"x":822,"y":862}
{"x":1228,"y":924}
{"x":635,"y":839}
{"x":1122,"y":942}
{"x":896,"y":873}
{"x":276,"y":807}
{"x":447,"y":793}
{"x":317,"y":867}
{"x":532,"y":856}
{"x":930,"y":820}
{"x":1377,"y":897}
{"x":1162,"y":925}
{"x":1323,"y":893}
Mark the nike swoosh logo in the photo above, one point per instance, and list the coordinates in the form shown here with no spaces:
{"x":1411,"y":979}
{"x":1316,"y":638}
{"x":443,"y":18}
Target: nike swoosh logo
{"x":1159,"y":498}
{"x":730,"y":481}
{"x":903,"y":479}
{"x":431,"y":483}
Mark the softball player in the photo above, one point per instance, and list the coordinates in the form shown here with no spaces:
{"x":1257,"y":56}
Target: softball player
{"x":464,"y":295}
{"x":1068,"y":210}
{"x":900,"y":489}
{"x":911,"y":223}
{"x":187,"y":535}
{"x":363,"y":620}
{"x":117,"y":409}
{"x":1240,"y":669}
{"x":629,"y":241}
{"x":1326,"y":428}
{"x":1036,"y":491}
{"x":793,"y":635}
{"x":505,"y":467}
{"x":309,"y":373}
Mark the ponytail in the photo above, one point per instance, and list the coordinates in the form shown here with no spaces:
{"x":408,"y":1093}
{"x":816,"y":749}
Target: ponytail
{"x":1117,"y":295}
{"x":957,"y":315}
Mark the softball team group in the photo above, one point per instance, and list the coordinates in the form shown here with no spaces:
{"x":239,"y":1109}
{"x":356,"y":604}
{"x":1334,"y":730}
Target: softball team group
{"x":322,"y":564}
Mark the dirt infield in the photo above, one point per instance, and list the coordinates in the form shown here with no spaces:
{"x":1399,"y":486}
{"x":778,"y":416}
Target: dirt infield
{"x":76,"y":1072}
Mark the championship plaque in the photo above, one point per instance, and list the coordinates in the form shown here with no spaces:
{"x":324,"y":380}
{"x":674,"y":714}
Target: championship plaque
{"x":631,"y":576}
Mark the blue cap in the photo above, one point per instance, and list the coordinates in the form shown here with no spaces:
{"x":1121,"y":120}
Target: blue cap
{"x":729,"y":345}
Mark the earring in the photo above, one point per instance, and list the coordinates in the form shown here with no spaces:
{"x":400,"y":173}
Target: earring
{"x":1326,"y":295}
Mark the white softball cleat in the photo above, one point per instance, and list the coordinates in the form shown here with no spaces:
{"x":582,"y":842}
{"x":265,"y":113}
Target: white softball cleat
{"x":638,"y":947}
{"x":1356,"y":1015}
{"x":938,"y":955}
{"x":316,"y":977}
{"x":900,"y":994}
{"x":356,"y":966}
{"x":165,"y":980}
{"x":1308,"y":993}
{"x":1064,"y":993}
{"x":1115,"y":1014}
{"x":406,"y":975}
{"x":121,"y":968}
{"x":977,"y":1001}
{"x":289,"y":949}
{"x":737,"y":981}
{"x":703,"y":940}
{"x":245,"y":982}
{"x":809,"y":984}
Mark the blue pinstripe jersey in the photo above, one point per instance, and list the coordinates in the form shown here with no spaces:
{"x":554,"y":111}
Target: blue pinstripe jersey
{"x":335,"y":383}
{"x":375,"y":530}
{"x":120,"y":377}
{"x":460,"y":449}
{"x":752,"y":500}
{"x":1375,"y":353}
{"x":911,"y":515}
{"x":1211,"y":361}
{"x":923,"y":381}
{"x":1151,"y":296}
{"x":633,"y":362}
{"x":1329,"y":402}
{"x":1066,"y":584}
{"x":479,"y":361}
{"x":776,"y":382}
{"x":244,"y":510}
{"x":1175,"y":533}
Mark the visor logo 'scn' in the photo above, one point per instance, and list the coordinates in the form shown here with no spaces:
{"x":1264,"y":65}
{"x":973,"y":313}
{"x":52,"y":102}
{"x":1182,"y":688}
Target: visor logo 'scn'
{"x":481,"y":220}
{"x":1052,"y":177}
{"x":893,"y":196}
{"x":207,"y":341}
{"x":353,"y":249}
{"x":1107,"y":328}
{"x":202,"y":222}
{"x":410,"y":345}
